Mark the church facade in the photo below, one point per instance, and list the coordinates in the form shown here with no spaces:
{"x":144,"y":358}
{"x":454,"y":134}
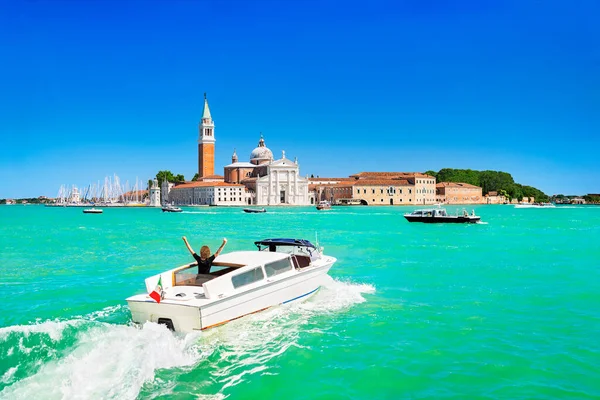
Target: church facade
{"x":261,"y":181}
{"x":269,"y":181}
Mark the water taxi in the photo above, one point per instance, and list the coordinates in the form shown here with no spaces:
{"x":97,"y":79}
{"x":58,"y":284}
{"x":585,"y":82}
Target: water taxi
{"x":254,"y":210}
{"x":171,"y":208}
{"x":439,"y":215}
{"x":535,"y":205}
{"x":92,"y":210}
{"x":324,"y":205}
{"x":240,"y":283}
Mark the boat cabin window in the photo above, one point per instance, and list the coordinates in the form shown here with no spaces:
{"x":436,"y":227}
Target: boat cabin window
{"x":278,"y":267}
{"x":189,"y":276}
{"x":248,"y":277}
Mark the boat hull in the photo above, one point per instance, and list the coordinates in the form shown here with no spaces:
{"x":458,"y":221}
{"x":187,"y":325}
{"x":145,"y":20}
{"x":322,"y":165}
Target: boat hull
{"x":187,"y":317}
{"x":446,"y":220}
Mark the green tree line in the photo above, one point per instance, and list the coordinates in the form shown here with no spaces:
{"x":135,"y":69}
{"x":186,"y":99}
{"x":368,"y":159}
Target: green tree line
{"x":169,"y":176}
{"x":501,"y":182}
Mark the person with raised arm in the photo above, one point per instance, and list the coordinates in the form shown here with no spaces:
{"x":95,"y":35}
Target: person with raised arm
{"x":204,"y":260}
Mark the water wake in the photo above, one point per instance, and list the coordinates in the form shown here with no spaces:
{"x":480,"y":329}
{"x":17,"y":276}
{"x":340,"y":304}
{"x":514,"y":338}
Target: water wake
{"x":105,"y":361}
{"x":86,"y":357}
{"x":247,"y":345}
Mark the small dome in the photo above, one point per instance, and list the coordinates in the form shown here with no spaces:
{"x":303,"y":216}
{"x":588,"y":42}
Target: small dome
{"x":261,"y":153}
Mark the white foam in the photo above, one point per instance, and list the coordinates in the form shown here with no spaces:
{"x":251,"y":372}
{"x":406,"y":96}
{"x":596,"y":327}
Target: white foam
{"x":105,"y":312}
{"x":246,"y":345}
{"x":53,"y":329}
{"x":7,"y":377}
{"x":109,"y":361}
{"x":114,"y":361}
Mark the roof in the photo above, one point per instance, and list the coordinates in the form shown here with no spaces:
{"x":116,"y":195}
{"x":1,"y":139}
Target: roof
{"x":389,"y":174}
{"x":204,"y":184}
{"x":206,"y":112}
{"x":331,"y":179}
{"x":202,"y":178}
{"x":382,"y":182}
{"x":284,"y":161}
{"x":251,"y":179}
{"x":250,"y":257}
{"x":241,"y":164}
{"x":456,"y":184}
{"x":284,"y":242}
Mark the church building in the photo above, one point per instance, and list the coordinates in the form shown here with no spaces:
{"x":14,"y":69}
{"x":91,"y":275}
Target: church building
{"x":269,"y":181}
{"x":261,"y":181}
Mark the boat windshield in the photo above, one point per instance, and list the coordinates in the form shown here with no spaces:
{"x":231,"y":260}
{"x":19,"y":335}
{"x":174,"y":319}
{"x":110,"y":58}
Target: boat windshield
{"x":298,"y":247}
{"x":189,"y":276}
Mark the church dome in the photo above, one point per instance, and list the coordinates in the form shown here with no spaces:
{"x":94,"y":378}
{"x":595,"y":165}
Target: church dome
{"x":261,"y":153}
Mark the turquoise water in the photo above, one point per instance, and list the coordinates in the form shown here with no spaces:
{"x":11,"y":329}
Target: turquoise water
{"x":506,"y":309}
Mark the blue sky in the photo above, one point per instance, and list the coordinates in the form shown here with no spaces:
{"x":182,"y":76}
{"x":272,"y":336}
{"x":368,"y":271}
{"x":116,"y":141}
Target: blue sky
{"x":91,"y":89}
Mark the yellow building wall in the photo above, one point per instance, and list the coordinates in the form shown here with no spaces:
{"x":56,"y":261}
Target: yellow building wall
{"x":462,"y":195}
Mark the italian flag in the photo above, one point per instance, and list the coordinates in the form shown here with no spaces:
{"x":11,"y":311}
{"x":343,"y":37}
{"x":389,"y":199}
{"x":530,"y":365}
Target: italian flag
{"x":157,"y":292}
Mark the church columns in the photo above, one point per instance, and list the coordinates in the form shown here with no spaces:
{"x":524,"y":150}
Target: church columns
{"x":270,"y":189}
{"x":277,"y":189}
{"x":296,"y":191}
{"x":290,"y":191}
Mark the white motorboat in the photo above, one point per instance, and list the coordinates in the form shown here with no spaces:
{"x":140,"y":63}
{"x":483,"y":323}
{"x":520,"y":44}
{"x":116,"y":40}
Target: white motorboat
{"x":324,"y":205}
{"x":439,"y":215}
{"x":240,"y":283}
{"x":92,"y":210}
{"x":171,"y":208}
{"x":535,"y":205}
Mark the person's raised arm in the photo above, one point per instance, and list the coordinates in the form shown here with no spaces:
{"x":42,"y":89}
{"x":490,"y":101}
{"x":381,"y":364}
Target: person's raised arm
{"x":221,"y":248}
{"x":187,"y":245}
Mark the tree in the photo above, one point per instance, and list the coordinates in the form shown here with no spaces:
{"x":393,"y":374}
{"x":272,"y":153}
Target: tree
{"x":490,"y":181}
{"x":590,"y":198}
{"x":168,"y":175}
{"x":432,"y":173}
{"x":504,"y":193}
{"x":196,"y":176}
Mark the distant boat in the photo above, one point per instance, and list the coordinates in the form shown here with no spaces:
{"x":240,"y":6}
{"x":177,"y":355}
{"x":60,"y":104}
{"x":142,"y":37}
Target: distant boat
{"x":92,"y":210}
{"x":439,"y":215}
{"x":535,"y":205}
{"x":170,"y":208}
{"x":348,"y":202}
{"x":324,"y":205}
{"x":254,"y":210}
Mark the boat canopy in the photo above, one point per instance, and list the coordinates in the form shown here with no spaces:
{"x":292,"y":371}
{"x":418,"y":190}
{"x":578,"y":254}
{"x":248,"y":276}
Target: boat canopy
{"x":284,"y":242}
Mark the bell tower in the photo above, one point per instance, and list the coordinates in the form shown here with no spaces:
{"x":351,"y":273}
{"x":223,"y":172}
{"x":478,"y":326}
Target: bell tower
{"x":206,"y":143}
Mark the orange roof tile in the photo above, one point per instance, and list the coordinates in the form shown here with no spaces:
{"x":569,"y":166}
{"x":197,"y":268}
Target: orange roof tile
{"x":391,"y":175}
{"x":330,"y":179}
{"x":382,"y":182}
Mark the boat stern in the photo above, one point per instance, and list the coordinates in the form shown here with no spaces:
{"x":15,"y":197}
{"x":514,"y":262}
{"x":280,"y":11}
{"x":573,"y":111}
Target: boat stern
{"x":177,"y":317}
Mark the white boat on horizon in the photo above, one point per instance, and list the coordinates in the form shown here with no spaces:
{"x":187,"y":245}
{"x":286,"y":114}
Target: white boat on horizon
{"x":535,"y":205}
{"x":171,"y":208}
{"x":92,"y":210}
{"x":240,"y":283}
{"x":324,"y":205}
